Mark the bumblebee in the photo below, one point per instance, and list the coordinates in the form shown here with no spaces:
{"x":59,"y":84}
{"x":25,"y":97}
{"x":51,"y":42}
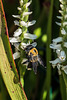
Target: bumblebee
{"x":33,"y":58}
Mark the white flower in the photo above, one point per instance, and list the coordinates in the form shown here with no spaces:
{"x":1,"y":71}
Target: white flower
{"x":15,"y":40}
{"x":19,"y":8}
{"x":21,"y":2}
{"x":57,"y":40}
{"x":27,"y":24}
{"x":27,"y":4}
{"x":16,"y":16}
{"x":60,"y":11}
{"x":62,"y":56}
{"x":17,"y":32}
{"x":59,"y":68}
{"x":16,"y":46}
{"x":65,"y":16}
{"x":66,"y":9}
{"x":62,"y":6}
{"x":24,"y":45}
{"x":62,"y":1}
{"x":64,"y":68}
{"x":55,"y":46}
{"x":23,"y":23}
{"x":64,"y":23}
{"x":59,"y":24}
{"x":58,"y":52}
{"x":65,"y":44}
{"x":25,"y":62}
{"x":16,"y":22}
{"x":30,"y":36}
{"x":55,"y":62}
{"x":59,"y":17}
{"x":63,"y":31}
{"x":16,"y":55}
{"x":27,"y":13}
{"x":34,"y":44}
{"x":58,"y":43}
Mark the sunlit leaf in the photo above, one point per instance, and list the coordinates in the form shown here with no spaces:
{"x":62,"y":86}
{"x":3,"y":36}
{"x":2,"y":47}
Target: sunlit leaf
{"x":37,"y":32}
{"x":44,"y":95}
{"x":44,"y":38}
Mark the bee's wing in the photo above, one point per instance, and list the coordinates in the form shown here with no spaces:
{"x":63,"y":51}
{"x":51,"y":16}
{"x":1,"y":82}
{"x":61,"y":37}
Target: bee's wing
{"x":35,"y":64}
{"x":40,"y":61}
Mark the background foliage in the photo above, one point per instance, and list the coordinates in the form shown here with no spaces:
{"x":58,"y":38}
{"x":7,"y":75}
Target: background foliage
{"x":45,"y":85}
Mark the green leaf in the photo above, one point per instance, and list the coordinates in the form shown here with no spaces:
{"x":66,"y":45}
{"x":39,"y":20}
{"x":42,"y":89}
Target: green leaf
{"x":62,"y":88}
{"x":48,"y":53}
{"x":63,"y":84}
{"x":65,"y":78}
{"x":7,"y":64}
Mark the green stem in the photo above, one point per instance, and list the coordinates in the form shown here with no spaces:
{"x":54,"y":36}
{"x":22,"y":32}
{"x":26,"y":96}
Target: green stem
{"x":66,"y":93}
{"x":65,"y":80}
{"x":62,"y":88}
{"x":47,"y":82}
{"x":49,"y":32}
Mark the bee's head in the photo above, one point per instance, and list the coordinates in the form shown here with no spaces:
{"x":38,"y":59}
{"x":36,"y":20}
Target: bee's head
{"x":33,"y":51}
{"x":28,"y":48}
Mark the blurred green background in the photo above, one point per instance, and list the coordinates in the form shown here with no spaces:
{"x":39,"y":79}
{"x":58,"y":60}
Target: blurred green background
{"x":45,"y":85}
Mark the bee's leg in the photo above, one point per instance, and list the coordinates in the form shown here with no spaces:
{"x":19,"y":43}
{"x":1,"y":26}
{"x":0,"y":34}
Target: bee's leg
{"x":35,"y":64}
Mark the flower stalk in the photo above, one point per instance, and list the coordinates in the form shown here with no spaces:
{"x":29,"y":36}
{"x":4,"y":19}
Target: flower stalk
{"x":22,"y":37}
{"x":59,"y":44}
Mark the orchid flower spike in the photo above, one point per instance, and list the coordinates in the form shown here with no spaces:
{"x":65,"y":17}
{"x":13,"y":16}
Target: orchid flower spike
{"x":59,"y":44}
{"x":23,"y":40}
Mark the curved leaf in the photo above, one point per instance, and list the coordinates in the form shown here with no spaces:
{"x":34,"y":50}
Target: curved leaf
{"x":7,"y":65}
